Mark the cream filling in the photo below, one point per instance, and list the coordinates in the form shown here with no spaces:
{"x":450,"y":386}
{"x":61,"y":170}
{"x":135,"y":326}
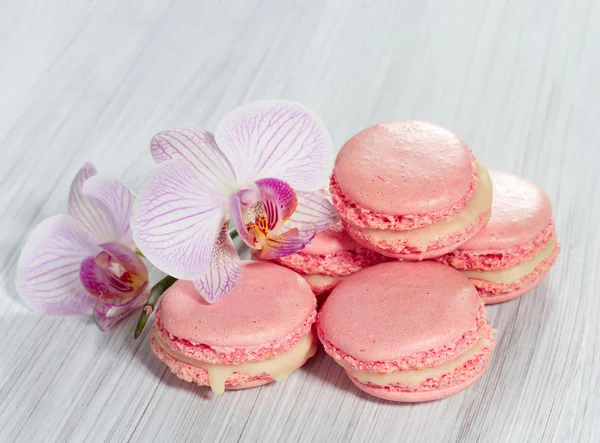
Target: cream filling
{"x":321,"y":280}
{"x":420,"y":375}
{"x":278,"y":367}
{"x":479,"y":203}
{"x":516,"y":272}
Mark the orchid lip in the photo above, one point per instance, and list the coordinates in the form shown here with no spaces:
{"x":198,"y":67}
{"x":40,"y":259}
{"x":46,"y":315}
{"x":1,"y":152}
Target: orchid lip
{"x":107,"y":313}
{"x":114,"y":276}
{"x":258,"y":214}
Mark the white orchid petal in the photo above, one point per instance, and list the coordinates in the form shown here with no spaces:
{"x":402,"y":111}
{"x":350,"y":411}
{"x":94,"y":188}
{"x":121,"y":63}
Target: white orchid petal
{"x":92,"y":218}
{"x":176,"y":219}
{"x":48,"y":267}
{"x":277,"y":139}
{"x":115,"y":200}
{"x":197,"y":147}
{"x":314,"y":213}
{"x":224,"y":271}
{"x":288,"y":243}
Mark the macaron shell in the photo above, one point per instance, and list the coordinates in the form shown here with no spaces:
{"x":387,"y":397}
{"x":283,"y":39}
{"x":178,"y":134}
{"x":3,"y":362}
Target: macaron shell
{"x":267,"y":304}
{"x":405,"y":251}
{"x":405,"y":167}
{"x":330,"y":241}
{"x":417,"y":396}
{"x":335,"y":265}
{"x":491,"y":299}
{"x":492,"y":293}
{"x":496,"y":260}
{"x":190,"y":373}
{"x":399,"y":309}
{"x":520,"y":211}
{"x":223,"y":376}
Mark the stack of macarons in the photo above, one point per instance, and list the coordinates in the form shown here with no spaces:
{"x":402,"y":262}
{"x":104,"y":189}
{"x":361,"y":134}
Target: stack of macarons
{"x":410,"y":190}
{"x":330,"y":258}
{"x":427,"y":237}
{"x":414,"y":191}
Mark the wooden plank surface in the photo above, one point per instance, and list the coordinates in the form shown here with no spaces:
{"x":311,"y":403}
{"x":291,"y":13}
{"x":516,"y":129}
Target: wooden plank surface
{"x":518,"y":80}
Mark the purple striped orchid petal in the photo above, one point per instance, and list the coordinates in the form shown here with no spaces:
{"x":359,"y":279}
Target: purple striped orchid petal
{"x":48,"y":267}
{"x":177,"y":218}
{"x":198,"y":148}
{"x":115,"y":200}
{"x":288,"y":243}
{"x":313,"y":213}
{"x":92,"y":218}
{"x":236,"y":209}
{"x":224,"y":271}
{"x":278,"y":201}
{"x":276,"y":139}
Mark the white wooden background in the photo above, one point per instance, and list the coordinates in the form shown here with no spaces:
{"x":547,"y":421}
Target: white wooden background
{"x":518,"y":80}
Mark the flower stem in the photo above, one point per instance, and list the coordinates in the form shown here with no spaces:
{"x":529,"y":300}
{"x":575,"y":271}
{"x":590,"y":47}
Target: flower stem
{"x":157,"y":290}
{"x":233,"y":233}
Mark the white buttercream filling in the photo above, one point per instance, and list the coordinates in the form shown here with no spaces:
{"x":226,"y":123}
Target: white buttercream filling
{"x":514,"y":273}
{"x":278,"y":367}
{"x":479,"y":203}
{"x":321,"y":280}
{"x":416,"y":376}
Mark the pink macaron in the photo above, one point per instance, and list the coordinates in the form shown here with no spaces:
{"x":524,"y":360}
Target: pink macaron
{"x":516,"y":249}
{"x":407,"y":331}
{"x":410,"y":190}
{"x":330,"y":258}
{"x":260,"y":332}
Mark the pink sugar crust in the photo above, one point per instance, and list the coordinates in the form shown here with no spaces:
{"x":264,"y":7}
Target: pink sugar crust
{"x":401,"y":316}
{"x":195,"y":374}
{"x":364,"y":217}
{"x":520,"y":211}
{"x":335,"y":265}
{"x":468,"y":260}
{"x":402,"y":175}
{"x":471,"y":368}
{"x":402,"y":249}
{"x":420,"y":360}
{"x":236,"y":355}
{"x":499,"y":292}
{"x":330,"y":241}
{"x":258,"y":319}
{"x":417,"y":396}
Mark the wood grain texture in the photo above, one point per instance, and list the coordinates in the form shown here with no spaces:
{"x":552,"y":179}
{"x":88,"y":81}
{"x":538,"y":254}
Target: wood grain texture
{"x":518,"y":80}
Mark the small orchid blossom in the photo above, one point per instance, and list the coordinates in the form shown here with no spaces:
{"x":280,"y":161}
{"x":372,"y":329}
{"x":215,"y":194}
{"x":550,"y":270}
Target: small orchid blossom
{"x":261,"y":170}
{"x":86,"y":260}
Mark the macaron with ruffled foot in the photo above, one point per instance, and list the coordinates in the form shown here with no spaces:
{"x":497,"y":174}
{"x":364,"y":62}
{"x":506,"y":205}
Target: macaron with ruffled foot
{"x":258,"y":333}
{"x":407,"y":331}
{"x":517,"y":248}
{"x":410,"y":190}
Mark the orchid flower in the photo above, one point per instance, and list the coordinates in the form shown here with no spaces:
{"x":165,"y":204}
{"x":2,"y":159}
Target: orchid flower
{"x":85,"y":261}
{"x":261,"y":170}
